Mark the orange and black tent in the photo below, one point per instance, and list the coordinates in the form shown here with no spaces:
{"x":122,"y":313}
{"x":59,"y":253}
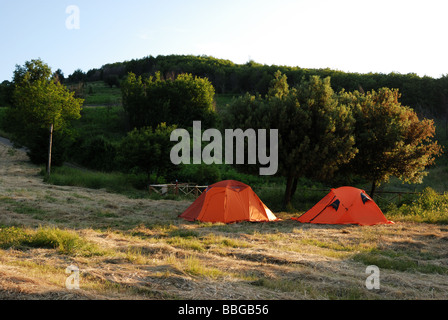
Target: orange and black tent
{"x":228,"y":201}
{"x":345,"y":205}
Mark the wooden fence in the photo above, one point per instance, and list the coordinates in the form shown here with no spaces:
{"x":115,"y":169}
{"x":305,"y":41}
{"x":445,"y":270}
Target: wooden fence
{"x":177,"y":189}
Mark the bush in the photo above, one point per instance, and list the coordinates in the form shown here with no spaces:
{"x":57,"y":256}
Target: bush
{"x":147,"y":150}
{"x":112,"y":80}
{"x":431,"y":200}
{"x":96,"y":153}
{"x":38,"y":147}
{"x":201,"y":174}
{"x":65,"y":242}
{"x":429,"y":207}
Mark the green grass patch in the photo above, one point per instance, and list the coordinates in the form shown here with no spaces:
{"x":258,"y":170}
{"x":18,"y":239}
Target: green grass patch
{"x":6,"y":200}
{"x":224,"y":242}
{"x":399,"y":262}
{"x":182,"y":233}
{"x":105,"y":214}
{"x":108,"y":122}
{"x":34,"y":212}
{"x":63,"y":241}
{"x":196,"y":267}
{"x":186,"y":243}
{"x":328,"y":245}
{"x":117,"y":182}
{"x":192,"y":240}
{"x":99,"y":93}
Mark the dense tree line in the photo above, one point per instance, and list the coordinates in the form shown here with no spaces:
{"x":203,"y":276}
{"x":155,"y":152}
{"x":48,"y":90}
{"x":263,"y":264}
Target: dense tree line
{"x":426,"y":95}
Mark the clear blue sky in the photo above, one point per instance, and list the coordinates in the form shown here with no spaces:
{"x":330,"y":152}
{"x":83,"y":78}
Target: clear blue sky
{"x":349,"y":35}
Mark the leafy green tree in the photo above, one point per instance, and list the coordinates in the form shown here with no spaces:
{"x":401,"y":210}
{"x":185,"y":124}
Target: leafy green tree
{"x":96,"y":153}
{"x":112,"y":80}
{"x":321,"y":138}
{"x":58,"y":75}
{"x":39,"y":103}
{"x":77,"y":76}
{"x":279,"y":86}
{"x":315,"y":130}
{"x":6,"y":89}
{"x":147,"y":150}
{"x":151,"y":101}
{"x":391,"y":139}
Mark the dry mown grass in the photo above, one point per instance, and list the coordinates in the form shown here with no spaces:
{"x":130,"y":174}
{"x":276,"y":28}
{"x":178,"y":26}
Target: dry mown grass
{"x":139,"y":249}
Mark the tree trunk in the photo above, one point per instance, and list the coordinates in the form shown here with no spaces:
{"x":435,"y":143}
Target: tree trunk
{"x":372,"y":191}
{"x":294,"y":187}
{"x":287,"y":200}
{"x":50,"y":145}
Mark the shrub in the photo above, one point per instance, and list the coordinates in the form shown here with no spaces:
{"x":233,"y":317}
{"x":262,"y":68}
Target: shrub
{"x":112,"y":80}
{"x":37,"y":146}
{"x":429,"y":207}
{"x":97,"y":153}
{"x":201,"y":174}
{"x":65,"y":242}
{"x":147,"y":150}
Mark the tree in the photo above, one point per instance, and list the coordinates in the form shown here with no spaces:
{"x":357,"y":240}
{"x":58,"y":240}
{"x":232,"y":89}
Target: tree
{"x":147,"y":150}
{"x":6,"y":89}
{"x":39,"y":102}
{"x":279,"y":86}
{"x":323,"y":137}
{"x":77,"y":76}
{"x":391,"y":139}
{"x":112,"y":80}
{"x":151,"y":101}
{"x":315,"y":130}
{"x":58,"y":75}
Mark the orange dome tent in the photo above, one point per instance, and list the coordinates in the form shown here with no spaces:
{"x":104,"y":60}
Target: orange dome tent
{"x":345,"y":205}
{"x":228,"y":201}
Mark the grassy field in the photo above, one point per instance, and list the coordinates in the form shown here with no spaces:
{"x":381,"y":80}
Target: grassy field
{"x":138,"y":248}
{"x":98,"y":93}
{"x":131,"y":245}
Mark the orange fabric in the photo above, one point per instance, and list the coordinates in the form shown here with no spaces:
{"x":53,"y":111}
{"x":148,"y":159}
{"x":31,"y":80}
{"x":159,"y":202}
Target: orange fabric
{"x":345,"y":205}
{"x":228,"y":201}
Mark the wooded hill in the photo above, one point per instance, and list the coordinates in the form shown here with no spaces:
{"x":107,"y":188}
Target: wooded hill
{"x":428,"y":96}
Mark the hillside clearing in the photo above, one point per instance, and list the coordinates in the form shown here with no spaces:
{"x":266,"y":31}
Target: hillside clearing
{"x":140,"y":249}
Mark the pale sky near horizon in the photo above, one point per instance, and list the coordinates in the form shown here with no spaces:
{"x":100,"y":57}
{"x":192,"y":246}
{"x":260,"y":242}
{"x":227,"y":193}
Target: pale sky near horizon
{"x":349,"y":35}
